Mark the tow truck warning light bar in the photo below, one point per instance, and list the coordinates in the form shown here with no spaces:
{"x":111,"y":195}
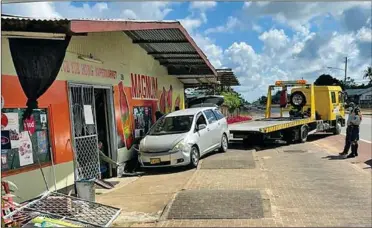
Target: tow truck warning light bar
{"x":295,"y":82}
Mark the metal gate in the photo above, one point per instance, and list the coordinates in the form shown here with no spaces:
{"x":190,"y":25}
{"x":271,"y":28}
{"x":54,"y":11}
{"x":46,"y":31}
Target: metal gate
{"x":84,"y":131}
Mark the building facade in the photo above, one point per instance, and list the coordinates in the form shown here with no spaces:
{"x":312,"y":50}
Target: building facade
{"x":107,"y":92}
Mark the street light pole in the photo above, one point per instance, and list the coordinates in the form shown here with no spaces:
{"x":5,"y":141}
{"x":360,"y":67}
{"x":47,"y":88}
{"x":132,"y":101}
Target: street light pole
{"x":345,"y":70}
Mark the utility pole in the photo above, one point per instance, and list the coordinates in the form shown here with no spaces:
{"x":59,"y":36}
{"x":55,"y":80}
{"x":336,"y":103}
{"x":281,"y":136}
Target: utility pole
{"x":345,"y":70}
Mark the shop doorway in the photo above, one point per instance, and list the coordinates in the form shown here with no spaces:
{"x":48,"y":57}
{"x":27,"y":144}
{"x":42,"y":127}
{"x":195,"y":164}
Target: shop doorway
{"x":92,"y":126}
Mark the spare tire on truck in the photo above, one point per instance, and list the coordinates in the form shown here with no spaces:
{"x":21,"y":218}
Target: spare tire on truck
{"x":298,"y":99}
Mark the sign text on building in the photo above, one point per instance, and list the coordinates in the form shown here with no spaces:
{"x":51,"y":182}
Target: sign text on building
{"x":143,"y":86}
{"x":87,"y":70}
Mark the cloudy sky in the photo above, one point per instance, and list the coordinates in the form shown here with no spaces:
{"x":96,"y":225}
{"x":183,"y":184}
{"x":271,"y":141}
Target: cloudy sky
{"x":261,"y":41}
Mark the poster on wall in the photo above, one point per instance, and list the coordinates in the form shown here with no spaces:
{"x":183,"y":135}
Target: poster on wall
{"x":30,"y":125}
{"x":43,"y":121}
{"x":10,"y":122}
{"x":88,"y":114}
{"x":4,"y":159}
{"x":142,"y":120}
{"x":42,"y":142}
{"x":25,"y":150}
{"x":5,"y":140}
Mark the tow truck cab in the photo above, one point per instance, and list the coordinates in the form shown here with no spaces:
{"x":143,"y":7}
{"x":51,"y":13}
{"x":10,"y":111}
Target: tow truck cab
{"x":329,"y":103}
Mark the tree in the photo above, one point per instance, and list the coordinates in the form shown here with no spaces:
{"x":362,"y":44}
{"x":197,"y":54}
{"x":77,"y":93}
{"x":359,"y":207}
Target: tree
{"x":368,"y":75}
{"x":231,"y":100}
{"x":262,"y":100}
{"x":327,"y":80}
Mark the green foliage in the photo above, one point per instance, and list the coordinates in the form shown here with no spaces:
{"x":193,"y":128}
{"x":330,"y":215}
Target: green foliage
{"x":232,"y":101}
{"x":368,"y":75}
{"x":262,"y":100}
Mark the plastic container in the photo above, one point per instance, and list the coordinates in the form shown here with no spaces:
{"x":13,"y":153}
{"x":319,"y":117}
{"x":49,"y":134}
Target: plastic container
{"x":86,"y":190}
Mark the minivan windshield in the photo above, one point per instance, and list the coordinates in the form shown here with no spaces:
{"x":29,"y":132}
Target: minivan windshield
{"x":172,"y":125}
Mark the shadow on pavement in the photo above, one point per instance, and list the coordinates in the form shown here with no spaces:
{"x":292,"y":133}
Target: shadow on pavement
{"x":369,"y":162}
{"x":334,"y":157}
{"x":163,"y":170}
{"x":315,"y":137}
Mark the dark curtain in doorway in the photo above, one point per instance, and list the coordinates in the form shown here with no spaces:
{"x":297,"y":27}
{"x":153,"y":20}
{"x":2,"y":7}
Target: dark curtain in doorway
{"x":37,"y":63}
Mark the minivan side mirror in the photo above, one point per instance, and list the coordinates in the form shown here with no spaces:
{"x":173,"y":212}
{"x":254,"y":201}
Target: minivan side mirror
{"x":201,"y":126}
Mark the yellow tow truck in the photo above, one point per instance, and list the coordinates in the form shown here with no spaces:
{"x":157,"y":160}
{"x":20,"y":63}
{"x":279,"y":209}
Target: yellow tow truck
{"x":311,"y":109}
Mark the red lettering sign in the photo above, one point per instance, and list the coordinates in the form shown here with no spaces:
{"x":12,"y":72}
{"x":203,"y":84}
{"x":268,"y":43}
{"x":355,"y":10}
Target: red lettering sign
{"x":143,"y":86}
{"x":29,"y":125}
{"x":87,"y":70}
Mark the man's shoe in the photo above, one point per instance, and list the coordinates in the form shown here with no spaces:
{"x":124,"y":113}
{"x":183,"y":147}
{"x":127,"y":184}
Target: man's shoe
{"x":356,"y":154}
{"x":351,"y":156}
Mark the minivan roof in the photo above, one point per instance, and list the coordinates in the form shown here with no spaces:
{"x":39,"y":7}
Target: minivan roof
{"x":189,"y":111}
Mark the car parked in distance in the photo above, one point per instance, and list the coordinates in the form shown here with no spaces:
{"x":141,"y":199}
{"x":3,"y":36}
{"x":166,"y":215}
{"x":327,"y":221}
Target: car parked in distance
{"x":182,"y":137}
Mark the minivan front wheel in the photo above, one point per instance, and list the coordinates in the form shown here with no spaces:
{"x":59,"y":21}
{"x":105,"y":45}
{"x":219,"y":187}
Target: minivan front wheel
{"x":194,"y":157}
{"x":224,"y":143}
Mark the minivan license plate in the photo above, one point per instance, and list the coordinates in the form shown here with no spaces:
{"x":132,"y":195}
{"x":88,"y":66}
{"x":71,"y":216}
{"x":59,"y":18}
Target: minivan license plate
{"x":154,"y":161}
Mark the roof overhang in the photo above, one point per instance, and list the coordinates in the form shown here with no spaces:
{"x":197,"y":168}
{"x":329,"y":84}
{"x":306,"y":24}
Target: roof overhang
{"x":227,"y":77}
{"x":166,"y":41}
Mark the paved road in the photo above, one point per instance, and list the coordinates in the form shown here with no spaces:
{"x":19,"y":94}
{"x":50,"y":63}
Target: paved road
{"x":365,"y":129}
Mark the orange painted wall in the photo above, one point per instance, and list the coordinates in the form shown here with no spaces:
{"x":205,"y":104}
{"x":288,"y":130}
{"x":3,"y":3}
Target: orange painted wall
{"x":56,"y":100}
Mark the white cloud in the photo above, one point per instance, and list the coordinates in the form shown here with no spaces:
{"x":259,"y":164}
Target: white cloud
{"x":274,"y":39}
{"x":203,"y":5}
{"x":231,"y":24}
{"x":35,"y":9}
{"x":191,"y":24}
{"x":113,"y":10}
{"x":364,"y":34}
{"x":257,"y":28}
{"x":299,"y":14}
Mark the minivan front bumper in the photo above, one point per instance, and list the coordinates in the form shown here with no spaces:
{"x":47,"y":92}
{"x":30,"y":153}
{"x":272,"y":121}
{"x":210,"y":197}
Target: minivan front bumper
{"x":164,"y":159}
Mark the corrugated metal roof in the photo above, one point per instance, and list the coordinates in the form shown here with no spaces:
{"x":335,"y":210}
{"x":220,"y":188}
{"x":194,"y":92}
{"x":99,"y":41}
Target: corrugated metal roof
{"x":167,"y":41}
{"x":16,"y":17}
{"x":353,"y":92}
{"x":161,"y":42}
{"x":227,"y":77}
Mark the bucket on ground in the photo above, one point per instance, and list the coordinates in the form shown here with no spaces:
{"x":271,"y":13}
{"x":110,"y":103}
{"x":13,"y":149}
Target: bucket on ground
{"x":86,"y":190}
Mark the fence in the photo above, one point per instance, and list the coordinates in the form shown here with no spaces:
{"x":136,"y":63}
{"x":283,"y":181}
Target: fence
{"x":365,"y":103}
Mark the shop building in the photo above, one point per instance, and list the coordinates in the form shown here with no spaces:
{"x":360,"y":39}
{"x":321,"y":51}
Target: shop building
{"x":115,"y":76}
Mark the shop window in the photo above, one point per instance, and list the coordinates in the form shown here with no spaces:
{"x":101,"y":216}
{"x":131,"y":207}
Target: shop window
{"x":19,"y":139}
{"x":142,"y":120}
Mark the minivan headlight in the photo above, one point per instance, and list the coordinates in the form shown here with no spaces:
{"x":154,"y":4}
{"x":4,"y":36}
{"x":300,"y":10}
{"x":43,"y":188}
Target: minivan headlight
{"x":181,"y":146}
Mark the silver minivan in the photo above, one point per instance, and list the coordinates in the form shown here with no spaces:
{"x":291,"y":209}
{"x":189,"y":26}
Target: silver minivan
{"x":182,"y":137}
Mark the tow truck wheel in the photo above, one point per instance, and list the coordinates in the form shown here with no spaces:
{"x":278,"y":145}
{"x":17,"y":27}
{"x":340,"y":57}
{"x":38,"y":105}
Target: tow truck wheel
{"x":337,"y":129}
{"x":304,"y":132}
{"x":298,"y":99}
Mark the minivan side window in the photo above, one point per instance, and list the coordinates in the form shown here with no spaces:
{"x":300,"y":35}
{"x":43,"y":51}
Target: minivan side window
{"x":201,"y":120}
{"x":218,"y":114}
{"x":333,"y":96}
{"x":210,"y":116}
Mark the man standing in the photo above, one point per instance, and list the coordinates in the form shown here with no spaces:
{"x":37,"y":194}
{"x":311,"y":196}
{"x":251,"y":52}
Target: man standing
{"x":283,"y":97}
{"x":352,"y":131}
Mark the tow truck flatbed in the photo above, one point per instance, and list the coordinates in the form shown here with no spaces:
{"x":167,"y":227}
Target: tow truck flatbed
{"x":267,"y":125}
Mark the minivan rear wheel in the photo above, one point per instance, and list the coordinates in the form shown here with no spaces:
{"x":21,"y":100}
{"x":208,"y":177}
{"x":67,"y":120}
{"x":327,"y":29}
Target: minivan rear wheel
{"x":194,"y":157}
{"x":224,"y":143}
